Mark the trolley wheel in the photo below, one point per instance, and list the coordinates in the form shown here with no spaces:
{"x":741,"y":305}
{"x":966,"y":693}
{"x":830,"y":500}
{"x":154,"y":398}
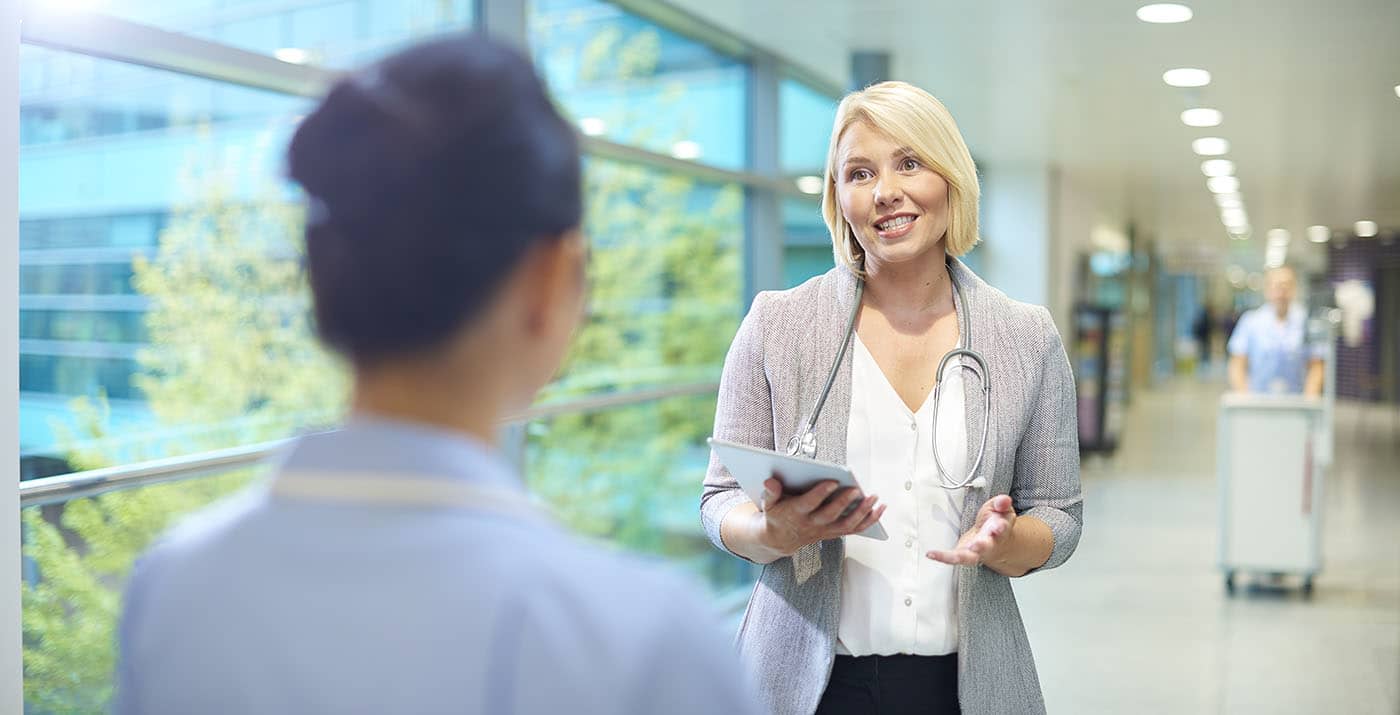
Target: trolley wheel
{"x":1230,"y":583}
{"x":1307,"y":586}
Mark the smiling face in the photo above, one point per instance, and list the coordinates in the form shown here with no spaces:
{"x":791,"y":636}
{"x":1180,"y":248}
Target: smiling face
{"x":897,"y":206}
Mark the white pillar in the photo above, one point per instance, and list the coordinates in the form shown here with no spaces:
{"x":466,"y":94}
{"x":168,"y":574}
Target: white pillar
{"x":11,"y":670}
{"x":1017,"y":230}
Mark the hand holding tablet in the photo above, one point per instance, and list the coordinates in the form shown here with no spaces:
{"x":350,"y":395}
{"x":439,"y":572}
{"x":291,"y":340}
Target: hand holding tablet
{"x":814,"y":500}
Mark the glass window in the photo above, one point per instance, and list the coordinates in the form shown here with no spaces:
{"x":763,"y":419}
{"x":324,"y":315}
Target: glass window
{"x":332,"y":33}
{"x":162,"y":305}
{"x":632,"y":81}
{"x":630,"y":475}
{"x":804,"y":118}
{"x":806,"y":241}
{"x":665,"y":280}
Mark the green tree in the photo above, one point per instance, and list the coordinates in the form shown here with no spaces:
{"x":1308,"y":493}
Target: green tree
{"x":231,"y":361}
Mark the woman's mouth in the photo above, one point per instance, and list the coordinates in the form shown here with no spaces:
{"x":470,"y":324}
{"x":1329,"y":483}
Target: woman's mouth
{"x":895,"y":227}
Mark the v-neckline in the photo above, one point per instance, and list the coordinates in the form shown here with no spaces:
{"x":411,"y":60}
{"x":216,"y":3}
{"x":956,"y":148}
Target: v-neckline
{"x":889,"y":385}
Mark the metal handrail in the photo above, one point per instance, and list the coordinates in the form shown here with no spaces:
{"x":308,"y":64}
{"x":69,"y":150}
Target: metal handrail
{"x":65,"y":487}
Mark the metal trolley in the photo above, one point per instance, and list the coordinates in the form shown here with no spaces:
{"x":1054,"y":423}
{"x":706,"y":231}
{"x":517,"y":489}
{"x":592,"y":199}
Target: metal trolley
{"x":1271,"y":467}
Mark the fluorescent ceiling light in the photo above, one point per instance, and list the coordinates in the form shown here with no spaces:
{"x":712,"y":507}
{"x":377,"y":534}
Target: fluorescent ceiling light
{"x":1223,"y":184}
{"x":1319,"y":234}
{"x":1201,"y":117}
{"x":685,"y":149}
{"x":1164,"y":13}
{"x":1279,"y":237}
{"x":1186,"y":77}
{"x":293,"y":55}
{"x":1234,"y":217}
{"x":593,"y":126}
{"x":1366,"y":229}
{"x":1218,"y":167}
{"x":809,"y":184}
{"x":1210,"y":146}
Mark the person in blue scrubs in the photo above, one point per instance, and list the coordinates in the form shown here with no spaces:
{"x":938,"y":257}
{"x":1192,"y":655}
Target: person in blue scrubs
{"x":1269,"y":350}
{"x":398,"y":565}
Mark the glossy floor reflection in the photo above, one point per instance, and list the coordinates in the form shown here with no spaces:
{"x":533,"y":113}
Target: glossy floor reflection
{"x":1139,"y":622}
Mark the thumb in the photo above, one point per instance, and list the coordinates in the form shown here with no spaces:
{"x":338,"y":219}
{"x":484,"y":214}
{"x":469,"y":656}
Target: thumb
{"x":772,"y":493}
{"x":1000,"y":503}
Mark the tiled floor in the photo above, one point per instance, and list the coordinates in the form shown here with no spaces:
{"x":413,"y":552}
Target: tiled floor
{"x":1138,"y":621}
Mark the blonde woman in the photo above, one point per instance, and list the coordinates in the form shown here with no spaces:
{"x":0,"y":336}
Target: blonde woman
{"x":925,"y":621}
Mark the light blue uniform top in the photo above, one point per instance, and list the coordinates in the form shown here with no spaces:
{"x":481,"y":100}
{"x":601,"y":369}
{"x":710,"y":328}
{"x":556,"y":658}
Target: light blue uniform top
{"x":1276,"y":350}
{"x":277,"y":605}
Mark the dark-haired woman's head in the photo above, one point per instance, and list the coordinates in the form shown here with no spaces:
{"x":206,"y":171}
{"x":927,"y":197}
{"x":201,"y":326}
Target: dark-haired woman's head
{"x":444,"y":199}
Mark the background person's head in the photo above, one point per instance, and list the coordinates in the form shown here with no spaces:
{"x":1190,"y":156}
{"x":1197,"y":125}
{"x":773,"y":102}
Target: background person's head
{"x":1280,"y":288}
{"x":444,"y":205}
{"x":896,"y":151}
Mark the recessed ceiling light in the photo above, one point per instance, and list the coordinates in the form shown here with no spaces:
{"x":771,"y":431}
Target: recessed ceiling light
{"x":1218,"y":167}
{"x":1164,"y":13}
{"x":1279,"y":237}
{"x":1201,"y":117}
{"x":1229,"y":201}
{"x":809,"y":184}
{"x":685,"y":149}
{"x":292,"y":55}
{"x":593,"y":126}
{"x":1186,"y":77}
{"x":1366,"y":229}
{"x":1223,"y":184}
{"x":1397,"y":90}
{"x":1319,"y":234}
{"x":1210,"y":146}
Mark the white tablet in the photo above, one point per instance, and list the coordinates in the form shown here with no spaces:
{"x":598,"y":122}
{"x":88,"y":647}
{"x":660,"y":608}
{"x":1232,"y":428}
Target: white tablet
{"x":752,"y":466}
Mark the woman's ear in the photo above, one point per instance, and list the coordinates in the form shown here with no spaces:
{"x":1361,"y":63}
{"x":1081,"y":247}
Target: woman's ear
{"x":553,"y":276}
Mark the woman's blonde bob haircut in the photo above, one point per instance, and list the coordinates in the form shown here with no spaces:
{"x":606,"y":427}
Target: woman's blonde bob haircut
{"x":913,"y":118}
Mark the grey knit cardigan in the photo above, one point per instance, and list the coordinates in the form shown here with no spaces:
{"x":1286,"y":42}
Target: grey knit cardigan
{"x":773,"y":374}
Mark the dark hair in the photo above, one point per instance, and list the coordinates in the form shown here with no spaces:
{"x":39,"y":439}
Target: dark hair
{"x":429,"y":174}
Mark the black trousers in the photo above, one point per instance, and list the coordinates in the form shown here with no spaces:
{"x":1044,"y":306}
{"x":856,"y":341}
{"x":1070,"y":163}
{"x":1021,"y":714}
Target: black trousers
{"x":892,"y":685}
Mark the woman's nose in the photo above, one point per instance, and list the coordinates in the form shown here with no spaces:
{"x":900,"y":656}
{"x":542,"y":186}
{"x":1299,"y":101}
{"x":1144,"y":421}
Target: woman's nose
{"x":888,"y":193}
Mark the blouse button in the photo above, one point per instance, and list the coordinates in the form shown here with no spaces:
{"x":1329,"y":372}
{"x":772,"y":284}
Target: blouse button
{"x":908,"y":601}
{"x":908,"y":486}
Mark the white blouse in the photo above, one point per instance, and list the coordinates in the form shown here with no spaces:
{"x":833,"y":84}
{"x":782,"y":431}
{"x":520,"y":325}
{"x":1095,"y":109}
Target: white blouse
{"x":893,"y":598}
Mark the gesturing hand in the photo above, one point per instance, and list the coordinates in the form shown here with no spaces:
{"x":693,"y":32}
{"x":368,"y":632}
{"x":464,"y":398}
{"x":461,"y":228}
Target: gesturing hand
{"x":791,"y":522}
{"x":988,"y":540}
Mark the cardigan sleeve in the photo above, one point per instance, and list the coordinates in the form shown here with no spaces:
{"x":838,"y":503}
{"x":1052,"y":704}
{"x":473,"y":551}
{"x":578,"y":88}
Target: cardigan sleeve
{"x":1046,"y":481}
{"x":744,"y":414}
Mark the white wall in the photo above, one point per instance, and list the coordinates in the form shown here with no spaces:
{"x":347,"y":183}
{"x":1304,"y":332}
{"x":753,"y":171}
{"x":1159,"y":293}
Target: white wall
{"x":11,"y":673}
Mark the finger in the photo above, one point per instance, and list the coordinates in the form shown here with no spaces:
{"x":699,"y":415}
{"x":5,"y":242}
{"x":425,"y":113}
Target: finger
{"x":870,"y":519}
{"x":836,"y":507}
{"x":981,"y":546}
{"x":813,"y":498}
{"x":848,"y":523}
{"x":995,"y":526}
{"x":955,"y":557}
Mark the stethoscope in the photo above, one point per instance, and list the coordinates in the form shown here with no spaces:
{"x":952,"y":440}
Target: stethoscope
{"x":804,"y":443}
